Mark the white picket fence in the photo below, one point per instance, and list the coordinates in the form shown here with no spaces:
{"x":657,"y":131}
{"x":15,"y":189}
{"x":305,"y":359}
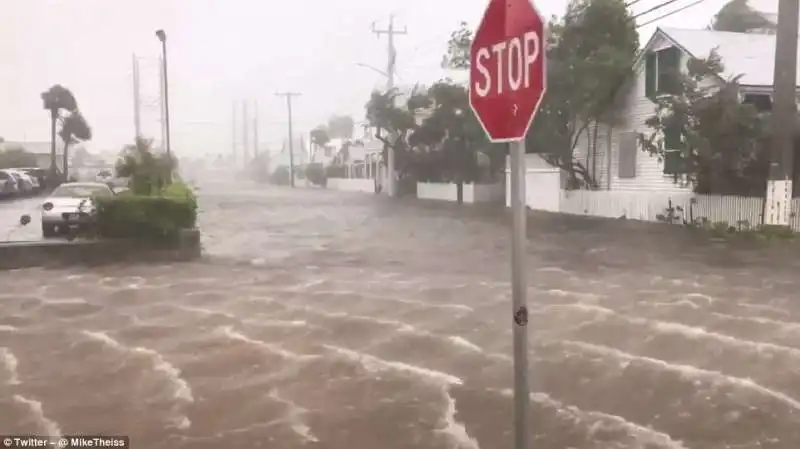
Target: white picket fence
{"x":647,"y":206}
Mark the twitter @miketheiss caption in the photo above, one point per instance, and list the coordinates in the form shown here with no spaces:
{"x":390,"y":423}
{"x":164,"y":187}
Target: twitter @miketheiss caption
{"x":65,"y":442}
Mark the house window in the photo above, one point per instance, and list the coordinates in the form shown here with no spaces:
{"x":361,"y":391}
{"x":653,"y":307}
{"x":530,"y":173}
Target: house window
{"x":762,"y":102}
{"x":673,"y":159}
{"x":662,"y":72}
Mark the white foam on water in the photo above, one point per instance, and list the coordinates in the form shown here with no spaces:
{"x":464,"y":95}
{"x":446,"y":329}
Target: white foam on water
{"x":181,"y":391}
{"x":48,"y":426}
{"x":66,"y":301}
{"x":686,"y":371}
{"x":375,"y":364}
{"x":204,"y":311}
{"x":294,"y":417}
{"x":399,"y":325}
{"x":552,"y":270}
{"x":232,"y":334}
{"x":462,"y":342}
{"x":764,"y":307}
{"x":782,"y":326}
{"x":648,"y":437}
{"x":455,"y":430}
{"x":10,"y":363}
{"x":693,"y":332}
{"x":8,"y":328}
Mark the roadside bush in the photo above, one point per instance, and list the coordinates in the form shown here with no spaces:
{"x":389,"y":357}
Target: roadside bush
{"x":280,"y":176}
{"x":316,"y":174}
{"x":158,"y":217}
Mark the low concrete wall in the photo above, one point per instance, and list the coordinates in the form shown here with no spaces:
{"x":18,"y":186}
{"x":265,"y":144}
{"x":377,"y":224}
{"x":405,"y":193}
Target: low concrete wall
{"x":473,"y":193}
{"x":56,"y":253}
{"x":352,"y":184}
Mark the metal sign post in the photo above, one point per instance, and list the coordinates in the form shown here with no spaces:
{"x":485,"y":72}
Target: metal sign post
{"x":508,"y":79}
{"x":519,"y":293}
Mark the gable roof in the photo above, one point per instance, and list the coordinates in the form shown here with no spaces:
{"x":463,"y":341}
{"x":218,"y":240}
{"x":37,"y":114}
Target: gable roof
{"x":751,"y":55}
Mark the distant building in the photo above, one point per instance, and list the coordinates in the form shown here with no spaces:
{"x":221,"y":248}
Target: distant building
{"x":40,"y":149}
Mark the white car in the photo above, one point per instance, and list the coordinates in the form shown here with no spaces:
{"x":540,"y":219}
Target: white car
{"x":71,"y":205}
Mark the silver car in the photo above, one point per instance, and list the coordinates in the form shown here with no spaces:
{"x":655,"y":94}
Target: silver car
{"x":71,"y":205}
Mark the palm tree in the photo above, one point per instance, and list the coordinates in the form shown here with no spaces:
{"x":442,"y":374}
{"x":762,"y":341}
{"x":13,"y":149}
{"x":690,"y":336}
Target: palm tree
{"x":74,"y":129}
{"x":55,"y":99}
{"x":148,"y":172}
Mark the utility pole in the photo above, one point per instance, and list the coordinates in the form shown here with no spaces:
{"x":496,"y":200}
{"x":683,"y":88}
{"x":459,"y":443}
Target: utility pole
{"x":137,"y":106}
{"x":161,"y":92}
{"x":245,"y":135}
{"x":390,"y":33}
{"x":289,"y":96}
{"x":233,"y":132}
{"x":784,"y":112}
{"x":255,"y":129}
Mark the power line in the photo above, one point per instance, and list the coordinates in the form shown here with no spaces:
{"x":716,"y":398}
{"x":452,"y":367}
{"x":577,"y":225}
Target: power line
{"x":289,"y":96}
{"x":654,"y":8}
{"x":663,"y":16}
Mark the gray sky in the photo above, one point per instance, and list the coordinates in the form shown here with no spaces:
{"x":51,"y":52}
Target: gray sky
{"x":221,"y":50}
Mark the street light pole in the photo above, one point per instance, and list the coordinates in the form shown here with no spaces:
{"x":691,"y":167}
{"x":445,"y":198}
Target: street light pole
{"x":162,"y":36}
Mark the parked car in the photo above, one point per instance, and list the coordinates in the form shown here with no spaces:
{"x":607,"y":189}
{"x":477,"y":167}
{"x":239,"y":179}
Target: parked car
{"x":71,"y":205}
{"x":8,"y":185}
{"x":24,"y":182}
{"x":39,"y":174}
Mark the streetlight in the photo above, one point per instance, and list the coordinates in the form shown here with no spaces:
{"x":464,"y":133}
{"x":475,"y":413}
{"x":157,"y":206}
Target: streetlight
{"x":162,"y":36}
{"x":367,"y":66}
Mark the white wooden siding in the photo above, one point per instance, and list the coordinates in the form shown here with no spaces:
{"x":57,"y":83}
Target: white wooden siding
{"x":637,"y":108}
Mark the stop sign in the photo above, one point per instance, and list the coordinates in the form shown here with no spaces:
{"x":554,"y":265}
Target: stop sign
{"x":508,"y":69}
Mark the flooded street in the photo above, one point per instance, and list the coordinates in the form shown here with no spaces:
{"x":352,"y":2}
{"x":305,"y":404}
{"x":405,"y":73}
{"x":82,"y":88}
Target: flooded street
{"x":346,"y":321}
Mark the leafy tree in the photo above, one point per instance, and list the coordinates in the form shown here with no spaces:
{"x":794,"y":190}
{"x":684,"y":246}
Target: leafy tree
{"x":739,"y":17}
{"x":341,"y":127}
{"x":394,"y":124}
{"x":590,"y":53}
{"x":722,"y":142}
{"x":457,"y":56}
{"x":452,"y":135}
{"x":147,"y":171}
{"x":74,"y":129}
{"x":319,"y":136}
{"x":56,"y":99}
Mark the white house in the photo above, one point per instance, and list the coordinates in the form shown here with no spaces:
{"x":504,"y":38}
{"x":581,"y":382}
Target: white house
{"x":617,"y":162}
{"x":632,"y":183}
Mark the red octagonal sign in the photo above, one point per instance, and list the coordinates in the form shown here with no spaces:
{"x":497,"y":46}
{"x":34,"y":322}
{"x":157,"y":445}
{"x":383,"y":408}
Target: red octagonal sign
{"x":508,"y":69}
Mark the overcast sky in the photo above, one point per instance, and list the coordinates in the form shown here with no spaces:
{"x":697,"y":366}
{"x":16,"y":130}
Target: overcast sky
{"x":222,"y":50}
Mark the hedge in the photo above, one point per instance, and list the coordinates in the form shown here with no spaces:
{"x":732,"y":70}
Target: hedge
{"x":158,"y":217}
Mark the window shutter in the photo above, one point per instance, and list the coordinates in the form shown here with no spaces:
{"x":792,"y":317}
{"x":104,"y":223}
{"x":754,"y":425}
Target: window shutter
{"x":673,"y":157}
{"x":628,"y":147}
{"x":673,"y":162}
{"x":650,"y":75}
{"x":672,"y":138}
{"x":669,"y":64}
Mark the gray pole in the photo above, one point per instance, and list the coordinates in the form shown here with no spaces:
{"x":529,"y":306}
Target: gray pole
{"x":289,"y":96}
{"x":245,"y":136}
{"x":390,"y":68}
{"x":166,"y":99}
{"x":233,"y":132}
{"x":519,"y":298}
{"x":784,"y":113}
{"x":137,"y":109}
{"x":255,"y":129}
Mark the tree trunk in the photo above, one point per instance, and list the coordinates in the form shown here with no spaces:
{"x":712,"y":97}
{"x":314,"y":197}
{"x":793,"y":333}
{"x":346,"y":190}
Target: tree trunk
{"x":53,"y":166}
{"x":65,"y":161}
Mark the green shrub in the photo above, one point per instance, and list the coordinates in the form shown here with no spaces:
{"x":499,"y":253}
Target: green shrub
{"x":158,"y":217}
{"x":316,"y":174}
{"x":280,"y":176}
